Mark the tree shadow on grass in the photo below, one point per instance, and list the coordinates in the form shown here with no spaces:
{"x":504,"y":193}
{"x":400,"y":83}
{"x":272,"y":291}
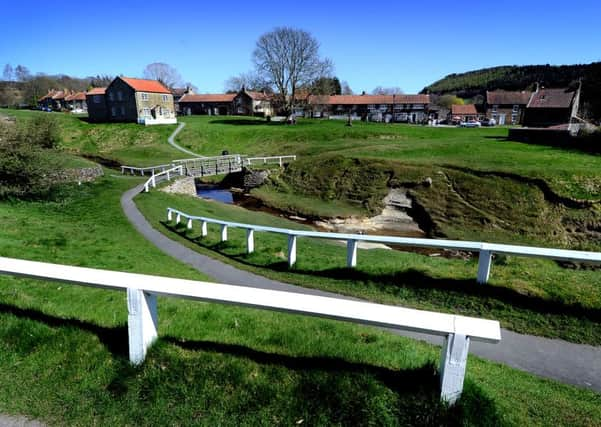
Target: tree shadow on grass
{"x":449,"y":291}
{"x":115,"y":339}
{"x":333,"y":388}
{"x":319,"y":388}
{"x":246,"y":122}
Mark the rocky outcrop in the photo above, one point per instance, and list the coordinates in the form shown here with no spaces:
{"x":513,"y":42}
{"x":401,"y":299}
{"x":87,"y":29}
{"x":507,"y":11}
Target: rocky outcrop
{"x":185,"y":185}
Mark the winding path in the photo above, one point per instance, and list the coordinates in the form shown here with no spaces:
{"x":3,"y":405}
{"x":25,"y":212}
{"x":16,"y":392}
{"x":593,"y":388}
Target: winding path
{"x":570,"y":363}
{"x":171,"y":141}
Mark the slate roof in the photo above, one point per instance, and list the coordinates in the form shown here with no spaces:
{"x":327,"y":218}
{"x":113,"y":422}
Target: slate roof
{"x":503,"y":97}
{"x":144,"y":85}
{"x":551,"y":98}
{"x":469,"y":109}
{"x":368,"y":99}
{"x":217,"y":97}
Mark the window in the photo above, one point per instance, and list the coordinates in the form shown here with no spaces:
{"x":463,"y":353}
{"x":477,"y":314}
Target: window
{"x":165,"y":97}
{"x":120,"y":96}
{"x":146,"y":112}
{"x":113,"y":111}
{"x":122,"y":110}
{"x":97,"y":99}
{"x":144,"y":96}
{"x":166,"y":112}
{"x":516,"y":108}
{"x":111,"y":96}
{"x":494,"y":108}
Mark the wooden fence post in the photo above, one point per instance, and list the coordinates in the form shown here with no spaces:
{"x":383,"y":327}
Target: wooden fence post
{"x":291,"y":250}
{"x":250,"y":240}
{"x":351,"y":253}
{"x":484,"y":262}
{"x":452,"y":366}
{"x":142,"y":323}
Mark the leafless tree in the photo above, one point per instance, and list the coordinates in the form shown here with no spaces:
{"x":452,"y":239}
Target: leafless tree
{"x":164,"y":73}
{"x":288,"y":58}
{"x":395,"y":90}
{"x":8,"y":74}
{"x":22,"y":73}
{"x":345,"y":88}
{"x":250,"y":81}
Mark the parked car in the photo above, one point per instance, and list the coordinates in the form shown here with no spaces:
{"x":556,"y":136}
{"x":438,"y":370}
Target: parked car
{"x":473,"y":124}
{"x":488,"y":122}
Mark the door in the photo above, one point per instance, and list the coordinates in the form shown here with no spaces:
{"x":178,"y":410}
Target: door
{"x":501,"y":119}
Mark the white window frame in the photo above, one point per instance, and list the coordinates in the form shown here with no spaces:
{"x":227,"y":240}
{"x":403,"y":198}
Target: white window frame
{"x":516,"y":108}
{"x":144,"y":96}
{"x":165,"y":98}
{"x":494,"y":108}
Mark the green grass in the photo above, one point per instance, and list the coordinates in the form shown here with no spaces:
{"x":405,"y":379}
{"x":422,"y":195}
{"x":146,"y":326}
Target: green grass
{"x":527,"y":295}
{"x":124,"y":143}
{"x":63,"y":348}
{"x":571,"y":173}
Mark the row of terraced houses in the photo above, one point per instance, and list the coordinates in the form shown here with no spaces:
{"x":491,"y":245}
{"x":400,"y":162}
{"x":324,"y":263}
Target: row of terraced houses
{"x":150,"y":102}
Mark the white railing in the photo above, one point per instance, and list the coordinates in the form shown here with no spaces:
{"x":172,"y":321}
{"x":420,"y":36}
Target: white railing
{"x":142,"y":322}
{"x":485,"y":250}
{"x":152,"y":169}
{"x":269,"y":160}
{"x":161,"y":176}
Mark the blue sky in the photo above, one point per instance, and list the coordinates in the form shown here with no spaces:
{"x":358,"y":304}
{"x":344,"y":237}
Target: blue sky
{"x":385,"y":43}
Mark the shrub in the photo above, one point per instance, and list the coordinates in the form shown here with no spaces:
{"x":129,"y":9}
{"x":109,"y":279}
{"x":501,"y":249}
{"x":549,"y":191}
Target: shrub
{"x":26,"y":158}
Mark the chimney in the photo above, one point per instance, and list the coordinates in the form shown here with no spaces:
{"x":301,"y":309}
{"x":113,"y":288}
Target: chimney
{"x":362,"y":93}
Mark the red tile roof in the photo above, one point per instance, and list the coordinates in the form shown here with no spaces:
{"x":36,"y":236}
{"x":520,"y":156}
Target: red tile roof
{"x":551,"y":98}
{"x":96,"y":91}
{"x":368,"y":99}
{"x":218,"y":97}
{"x":59,"y":95}
{"x":259,"y":96}
{"x":79,"y":96}
{"x":469,"y":109}
{"x":502,"y":97}
{"x":50,"y":94}
{"x":144,"y":85}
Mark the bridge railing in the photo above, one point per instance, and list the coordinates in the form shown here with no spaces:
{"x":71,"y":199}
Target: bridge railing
{"x":485,"y":250}
{"x":162,"y":176}
{"x":269,"y":160}
{"x":142,"y":291}
{"x":142,"y":171}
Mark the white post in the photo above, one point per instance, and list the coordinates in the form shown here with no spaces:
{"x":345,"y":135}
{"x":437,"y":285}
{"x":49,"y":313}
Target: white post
{"x":142,"y":172}
{"x":178,"y":218}
{"x":154,"y":182}
{"x":223,"y":232}
{"x":146,"y":189}
{"x":291,"y":250}
{"x":351,"y":253}
{"x":142,"y":323}
{"x":203,"y":229}
{"x":168,"y":177}
{"x":484,"y":262}
{"x":280,"y":162}
{"x":169,"y":215}
{"x":122,"y":170}
{"x":250,"y":240}
{"x":189,"y":226}
{"x":452,"y":366}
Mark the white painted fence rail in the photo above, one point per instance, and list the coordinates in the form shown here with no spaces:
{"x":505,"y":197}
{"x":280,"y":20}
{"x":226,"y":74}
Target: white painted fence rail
{"x":142,"y":291}
{"x":152,"y":169}
{"x":162,"y":176}
{"x":485,"y":250}
{"x":269,"y":160}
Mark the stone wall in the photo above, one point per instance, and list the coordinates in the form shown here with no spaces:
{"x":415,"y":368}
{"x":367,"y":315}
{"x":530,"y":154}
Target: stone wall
{"x":78,"y":174}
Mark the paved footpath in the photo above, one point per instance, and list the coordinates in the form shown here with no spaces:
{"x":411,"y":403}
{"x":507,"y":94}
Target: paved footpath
{"x":557,"y":359}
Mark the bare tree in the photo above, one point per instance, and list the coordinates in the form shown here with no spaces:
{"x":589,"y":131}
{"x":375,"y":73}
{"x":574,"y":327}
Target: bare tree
{"x":8,"y":74}
{"x":395,"y":90}
{"x":101,"y":80}
{"x":288,"y":58}
{"x":164,"y":73}
{"x":250,"y":81}
{"x":345,"y":88}
{"x":22,"y":73}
